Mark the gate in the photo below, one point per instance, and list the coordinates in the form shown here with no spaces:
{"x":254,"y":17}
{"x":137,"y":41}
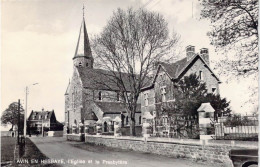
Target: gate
{"x":176,"y":126}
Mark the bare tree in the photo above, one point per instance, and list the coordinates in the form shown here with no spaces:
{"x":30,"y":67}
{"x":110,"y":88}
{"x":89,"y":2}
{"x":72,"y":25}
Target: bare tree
{"x":129,"y":46}
{"x":235,"y":31}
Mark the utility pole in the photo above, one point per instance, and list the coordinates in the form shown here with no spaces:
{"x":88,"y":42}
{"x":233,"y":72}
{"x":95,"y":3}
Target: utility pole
{"x":19,"y":128}
{"x":25,"y":111}
{"x":42,"y":124}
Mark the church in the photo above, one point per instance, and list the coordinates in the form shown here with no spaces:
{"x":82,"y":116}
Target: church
{"x":87,"y":98}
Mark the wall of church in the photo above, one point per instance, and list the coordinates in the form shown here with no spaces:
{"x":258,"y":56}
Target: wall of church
{"x":74,"y":100}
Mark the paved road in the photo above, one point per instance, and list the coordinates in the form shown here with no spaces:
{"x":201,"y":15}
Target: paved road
{"x":81,"y":154}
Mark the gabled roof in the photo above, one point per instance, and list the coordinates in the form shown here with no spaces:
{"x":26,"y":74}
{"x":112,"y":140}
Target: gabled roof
{"x":40,"y":115}
{"x":205,"y":107}
{"x":178,"y":69}
{"x":101,"y":79}
{"x":83,"y":46}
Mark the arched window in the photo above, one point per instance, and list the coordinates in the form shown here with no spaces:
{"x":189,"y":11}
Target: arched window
{"x":105,"y":127}
{"x":126,"y":123}
{"x":123,"y":119}
{"x":100,"y":95}
{"x":86,"y":64}
{"x":201,"y":77}
{"x":80,"y":64}
{"x":140,"y":120}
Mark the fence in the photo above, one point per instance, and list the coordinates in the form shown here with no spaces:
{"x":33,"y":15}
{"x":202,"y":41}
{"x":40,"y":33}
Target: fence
{"x":233,"y":127}
{"x":236,"y":127}
{"x":176,"y":126}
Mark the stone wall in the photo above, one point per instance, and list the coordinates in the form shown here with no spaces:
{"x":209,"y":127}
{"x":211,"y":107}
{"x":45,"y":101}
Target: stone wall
{"x":198,"y":150}
{"x":75,"y":137}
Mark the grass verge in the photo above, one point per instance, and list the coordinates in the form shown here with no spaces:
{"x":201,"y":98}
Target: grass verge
{"x":33,"y":156}
{"x":7,"y":148}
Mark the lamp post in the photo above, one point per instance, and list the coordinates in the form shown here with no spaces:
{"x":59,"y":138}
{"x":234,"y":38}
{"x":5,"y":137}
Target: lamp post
{"x":25,"y":112}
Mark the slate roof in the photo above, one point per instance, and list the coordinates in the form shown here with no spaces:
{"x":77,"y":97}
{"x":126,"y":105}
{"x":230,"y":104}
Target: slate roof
{"x":177,"y":69}
{"x":39,"y":115}
{"x":83,"y":46}
{"x":114,"y":107}
{"x":101,"y":79}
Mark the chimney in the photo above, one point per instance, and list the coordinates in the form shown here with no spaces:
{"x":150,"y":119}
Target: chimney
{"x":190,"y":51}
{"x":204,"y":53}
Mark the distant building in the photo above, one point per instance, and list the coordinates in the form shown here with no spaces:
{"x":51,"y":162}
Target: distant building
{"x":45,"y":118}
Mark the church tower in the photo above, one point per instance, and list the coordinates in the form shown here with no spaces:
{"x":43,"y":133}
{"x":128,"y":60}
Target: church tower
{"x":83,"y":56}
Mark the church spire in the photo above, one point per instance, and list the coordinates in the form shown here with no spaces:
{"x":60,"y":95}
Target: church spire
{"x":83,"y":56}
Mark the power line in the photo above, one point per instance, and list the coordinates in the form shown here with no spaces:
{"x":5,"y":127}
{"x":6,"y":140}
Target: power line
{"x":147,"y":3}
{"x":155,"y":4}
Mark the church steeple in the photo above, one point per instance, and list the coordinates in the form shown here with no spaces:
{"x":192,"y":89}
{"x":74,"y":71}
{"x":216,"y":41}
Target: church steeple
{"x":83,"y":56}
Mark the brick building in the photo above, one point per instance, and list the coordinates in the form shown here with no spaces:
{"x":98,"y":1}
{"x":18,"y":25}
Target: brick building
{"x":91,"y":95}
{"x":47,"y":119}
{"x":161,"y":89}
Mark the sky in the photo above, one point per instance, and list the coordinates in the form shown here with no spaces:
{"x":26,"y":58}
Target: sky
{"x":38,"y":42}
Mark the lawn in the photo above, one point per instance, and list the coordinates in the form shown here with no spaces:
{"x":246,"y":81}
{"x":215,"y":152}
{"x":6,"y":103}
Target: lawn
{"x":33,"y":153}
{"x":7,"y":148}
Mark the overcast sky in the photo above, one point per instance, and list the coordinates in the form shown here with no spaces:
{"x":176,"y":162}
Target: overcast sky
{"x":39,"y":40}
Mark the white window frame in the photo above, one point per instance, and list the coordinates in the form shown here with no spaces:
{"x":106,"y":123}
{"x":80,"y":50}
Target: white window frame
{"x":163,"y":93}
{"x":201,"y":75}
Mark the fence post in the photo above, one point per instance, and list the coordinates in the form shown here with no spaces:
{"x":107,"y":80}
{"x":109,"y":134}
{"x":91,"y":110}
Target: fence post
{"x":206,"y":115}
{"x":117,"y":128}
{"x":146,"y":128}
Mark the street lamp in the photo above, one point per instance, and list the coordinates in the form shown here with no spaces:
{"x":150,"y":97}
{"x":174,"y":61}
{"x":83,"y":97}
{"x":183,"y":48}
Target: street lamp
{"x":25,"y":112}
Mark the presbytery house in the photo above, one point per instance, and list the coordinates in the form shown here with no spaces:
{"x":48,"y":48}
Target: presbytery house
{"x":91,"y":97}
{"x":161,"y":89}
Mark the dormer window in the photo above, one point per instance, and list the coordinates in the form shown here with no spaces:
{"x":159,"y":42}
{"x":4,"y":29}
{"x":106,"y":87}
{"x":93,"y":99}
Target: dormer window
{"x":100,"y":95}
